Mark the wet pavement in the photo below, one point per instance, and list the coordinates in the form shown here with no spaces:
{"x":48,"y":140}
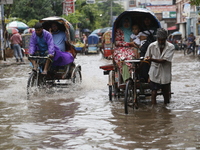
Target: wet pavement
{"x":81,"y":117}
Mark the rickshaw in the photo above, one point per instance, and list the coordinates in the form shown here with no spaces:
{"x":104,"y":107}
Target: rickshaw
{"x":176,"y":39}
{"x":135,"y":88}
{"x":93,"y":44}
{"x":57,"y":75}
{"x":107,"y":44}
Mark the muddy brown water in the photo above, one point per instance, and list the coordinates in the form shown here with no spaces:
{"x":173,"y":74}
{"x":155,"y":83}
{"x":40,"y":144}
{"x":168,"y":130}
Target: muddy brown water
{"x":82,"y":118}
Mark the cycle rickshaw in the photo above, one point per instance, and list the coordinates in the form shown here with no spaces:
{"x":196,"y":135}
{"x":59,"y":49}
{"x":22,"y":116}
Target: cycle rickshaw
{"x":107,"y":44}
{"x":135,"y":88}
{"x":93,"y":44}
{"x":68,"y":74}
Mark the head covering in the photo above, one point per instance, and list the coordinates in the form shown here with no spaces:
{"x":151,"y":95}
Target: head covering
{"x":127,"y":31}
{"x":161,"y":33}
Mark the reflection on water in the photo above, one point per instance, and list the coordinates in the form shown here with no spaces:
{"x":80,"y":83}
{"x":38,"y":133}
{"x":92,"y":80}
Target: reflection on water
{"x":81,"y":117}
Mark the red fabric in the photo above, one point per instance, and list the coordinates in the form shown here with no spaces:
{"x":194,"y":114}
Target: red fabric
{"x":122,"y":49}
{"x":172,"y":28}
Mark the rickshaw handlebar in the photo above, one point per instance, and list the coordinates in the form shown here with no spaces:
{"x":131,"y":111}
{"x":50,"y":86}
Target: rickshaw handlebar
{"x":37,"y":57}
{"x":141,"y":59}
{"x":133,"y":61}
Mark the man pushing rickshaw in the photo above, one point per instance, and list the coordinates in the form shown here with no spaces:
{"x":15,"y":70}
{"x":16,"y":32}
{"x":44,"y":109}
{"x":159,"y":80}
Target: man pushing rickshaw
{"x":128,"y":68}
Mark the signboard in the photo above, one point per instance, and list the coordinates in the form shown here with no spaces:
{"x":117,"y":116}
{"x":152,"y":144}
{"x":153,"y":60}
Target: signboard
{"x":6,"y":1}
{"x":186,"y":10}
{"x":156,"y":2}
{"x":160,"y":9}
{"x":90,"y":1}
{"x":168,"y":14}
{"x":68,"y":7}
{"x":161,"y":2}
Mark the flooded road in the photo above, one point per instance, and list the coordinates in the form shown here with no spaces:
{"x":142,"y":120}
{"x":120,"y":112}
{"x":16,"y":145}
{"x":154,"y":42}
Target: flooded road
{"x":82,"y":117}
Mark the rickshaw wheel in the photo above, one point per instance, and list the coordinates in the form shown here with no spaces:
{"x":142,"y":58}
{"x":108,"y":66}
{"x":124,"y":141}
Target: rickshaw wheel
{"x":32,"y":84}
{"x":110,"y":92}
{"x":77,"y":77}
{"x":129,"y":96}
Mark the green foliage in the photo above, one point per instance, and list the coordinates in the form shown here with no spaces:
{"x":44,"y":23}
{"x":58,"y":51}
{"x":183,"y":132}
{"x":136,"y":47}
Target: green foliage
{"x":32,"y":9}
{"x":195,"y":2}
{"x":91,"y":16}
{"x":106,"y":13}
{"x":32,"y":22}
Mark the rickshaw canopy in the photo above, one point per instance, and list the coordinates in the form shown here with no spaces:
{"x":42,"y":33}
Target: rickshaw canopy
{"x":137,"y":15}
{"x":93,"y":39}
{"x":176,"y":33}
{"x":64,"y":25}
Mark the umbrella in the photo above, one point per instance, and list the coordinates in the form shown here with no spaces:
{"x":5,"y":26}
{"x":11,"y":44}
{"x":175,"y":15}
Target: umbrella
{"x":176,"y":33}
{"x":96,"y":31}
{"x":105,"y":29}
{"x":12,"y":30}
{"x":86,"y":30}
{"x":29,"y":30}
{"x":17,"y":24}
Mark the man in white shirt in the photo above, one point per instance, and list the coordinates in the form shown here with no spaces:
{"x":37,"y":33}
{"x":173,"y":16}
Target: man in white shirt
{"x":160,"y":54}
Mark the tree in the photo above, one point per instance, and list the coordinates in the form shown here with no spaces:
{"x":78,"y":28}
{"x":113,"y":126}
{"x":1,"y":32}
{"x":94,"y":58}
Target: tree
{"x":91,"y":16}
{"x":195,"y":2}
{"x":106,"y":13}
{"x":32,"y":9}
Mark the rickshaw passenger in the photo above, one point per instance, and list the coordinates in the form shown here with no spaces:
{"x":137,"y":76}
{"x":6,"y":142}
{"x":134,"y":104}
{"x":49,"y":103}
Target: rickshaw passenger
{"x":147,"y":35}
{"x":149,"y":29}
{"x":124,"y":48}
{"x":59,"y":37}
{"x":60,"y":40}
{"x":41,"y":43}
{"x":160,"y":54}
{"x":135,"y":37}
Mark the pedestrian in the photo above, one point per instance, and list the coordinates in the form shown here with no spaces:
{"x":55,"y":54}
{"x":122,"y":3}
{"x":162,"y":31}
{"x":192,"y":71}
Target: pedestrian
{"x":16,"y":41}
{"x":191,"y":42}
{"x":84,"y":39}
{"x":160,"y":54}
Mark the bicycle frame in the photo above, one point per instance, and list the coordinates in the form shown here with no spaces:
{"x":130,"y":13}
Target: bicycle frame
{"x":39,"y":65}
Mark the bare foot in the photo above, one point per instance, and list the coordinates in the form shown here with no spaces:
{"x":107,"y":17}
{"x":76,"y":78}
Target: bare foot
{"x":44,"y":73}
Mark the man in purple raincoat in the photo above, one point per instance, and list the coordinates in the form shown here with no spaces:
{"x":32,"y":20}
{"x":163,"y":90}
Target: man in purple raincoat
{"x":42,"y":44}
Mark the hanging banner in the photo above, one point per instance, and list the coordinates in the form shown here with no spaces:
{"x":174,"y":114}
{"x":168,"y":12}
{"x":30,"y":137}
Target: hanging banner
{"x":68,"y":7}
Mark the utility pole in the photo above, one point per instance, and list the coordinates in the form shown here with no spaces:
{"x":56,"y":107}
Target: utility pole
{"x":111,"y":13}
{"x":2,"y":2}
{"x":2,"y":32}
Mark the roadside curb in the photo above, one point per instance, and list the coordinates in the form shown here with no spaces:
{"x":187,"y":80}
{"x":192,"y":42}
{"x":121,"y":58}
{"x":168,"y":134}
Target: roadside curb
{"x":12,"y":61}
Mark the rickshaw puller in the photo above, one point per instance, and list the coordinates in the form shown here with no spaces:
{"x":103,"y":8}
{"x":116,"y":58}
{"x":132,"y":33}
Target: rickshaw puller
{"x":41,"y":43}
{"x":160,"y":53}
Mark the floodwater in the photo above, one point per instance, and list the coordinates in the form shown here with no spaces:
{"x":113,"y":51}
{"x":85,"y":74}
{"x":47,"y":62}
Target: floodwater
{"x":82,"y":118}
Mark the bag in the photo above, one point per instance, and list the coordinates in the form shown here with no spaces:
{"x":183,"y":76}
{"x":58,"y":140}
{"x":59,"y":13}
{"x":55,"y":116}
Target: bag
{"x":71,"y":49}
{"x":9,"y":53}
{"x":150,"y":38}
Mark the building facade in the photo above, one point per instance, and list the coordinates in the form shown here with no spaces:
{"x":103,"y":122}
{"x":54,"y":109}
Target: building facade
{"x":187,"y":18}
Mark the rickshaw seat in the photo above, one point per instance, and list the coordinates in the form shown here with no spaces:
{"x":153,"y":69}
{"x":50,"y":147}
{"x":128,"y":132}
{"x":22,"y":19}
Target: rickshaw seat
{"x":107,"y":67}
